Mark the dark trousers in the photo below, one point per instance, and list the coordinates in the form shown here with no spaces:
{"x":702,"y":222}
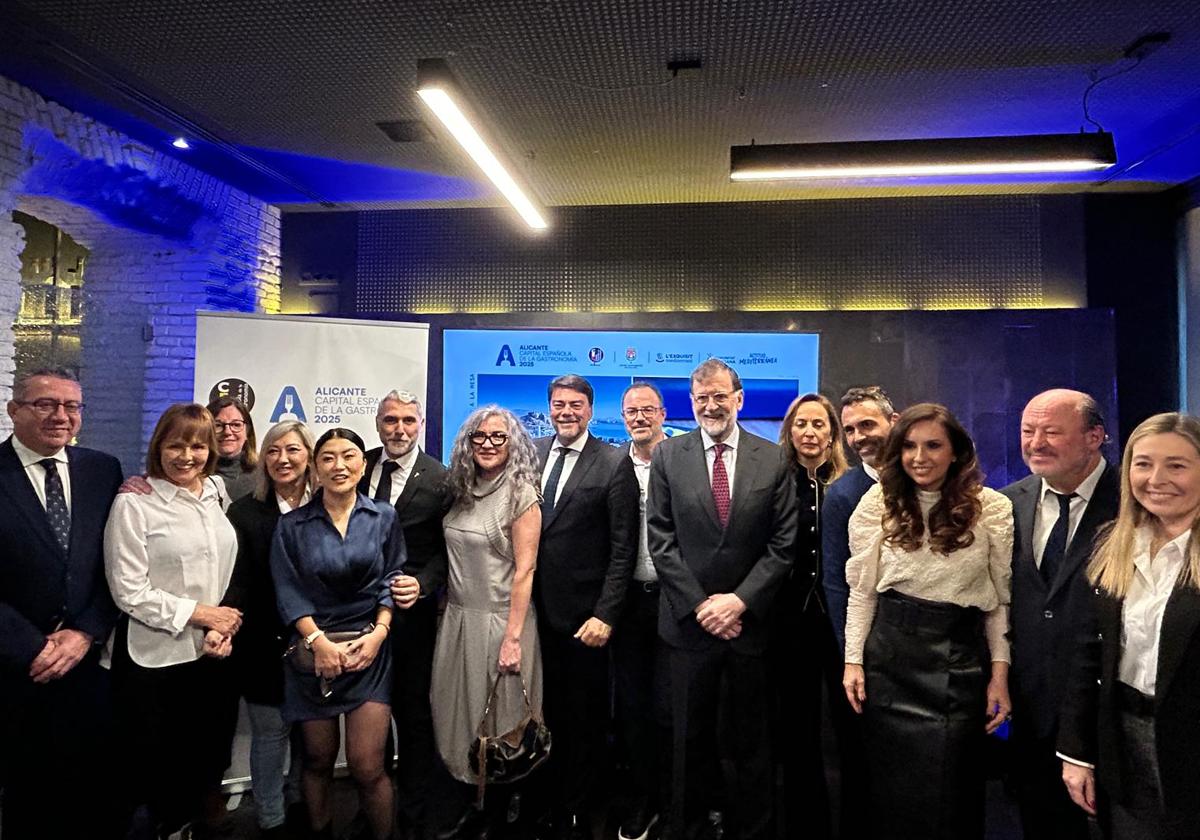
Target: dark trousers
{"x":720,"y":709}
{"x":412,"y":665}
{"x":176,"y":726}
{"x":806,"y":668}
{"x":643,"y":696}
{"x":56,"y":754}
{"x":576,"y":701}
{"x":1046,"y":807}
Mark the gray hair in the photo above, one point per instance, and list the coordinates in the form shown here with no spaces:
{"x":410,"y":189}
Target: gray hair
{"x":522,"y":464}
{"x":710,"y":367}
{"x":263,"y":486}
{"x":22,"y":381}
{"x":405,"y":397}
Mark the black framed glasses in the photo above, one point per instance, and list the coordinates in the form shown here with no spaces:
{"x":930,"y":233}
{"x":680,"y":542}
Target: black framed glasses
{"x":47,"y":406}
{"x":234,"y":426}
{"x":494,"y":438}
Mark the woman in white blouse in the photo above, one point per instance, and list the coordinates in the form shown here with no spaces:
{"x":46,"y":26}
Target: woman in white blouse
{"x":169,"y":555}
{"x":1130,"y":728}
{"x":926,"y":652}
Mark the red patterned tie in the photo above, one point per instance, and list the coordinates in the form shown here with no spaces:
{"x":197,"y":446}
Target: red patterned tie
{"x":720,"y":484}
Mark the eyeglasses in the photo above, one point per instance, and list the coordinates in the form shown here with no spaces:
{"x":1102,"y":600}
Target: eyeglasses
{"x":46,"y":407}
{"x":705,"y":399}
{"x":234,"y":426}
{"x":649,"y":411}
{"x":495,"y":438}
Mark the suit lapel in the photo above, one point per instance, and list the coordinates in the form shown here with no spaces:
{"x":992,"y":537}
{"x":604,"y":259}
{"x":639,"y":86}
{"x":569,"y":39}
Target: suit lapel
{"x":697,"y":462}
{"x":14,"y":482}
{"x":1180,"y":621}
{"x":411,"y":485}
{"x":583,"y":462}
{"x":745,"y":465}
{"x":1101,"y":508}
{"x":364,"y":484}
{"x":1025,"y":512}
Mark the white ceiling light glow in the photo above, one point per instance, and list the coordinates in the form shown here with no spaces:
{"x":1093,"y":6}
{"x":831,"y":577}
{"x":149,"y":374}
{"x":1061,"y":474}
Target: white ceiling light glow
{"x":440,"y":93}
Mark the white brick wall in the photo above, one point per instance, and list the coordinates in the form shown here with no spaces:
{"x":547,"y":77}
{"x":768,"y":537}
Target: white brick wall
{"x":141,"y":289}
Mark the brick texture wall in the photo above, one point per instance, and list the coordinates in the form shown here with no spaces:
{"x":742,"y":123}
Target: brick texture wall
{"x":165,"y":239}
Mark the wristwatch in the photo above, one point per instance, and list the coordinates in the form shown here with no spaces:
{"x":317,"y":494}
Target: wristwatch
{"x":312,"y":637}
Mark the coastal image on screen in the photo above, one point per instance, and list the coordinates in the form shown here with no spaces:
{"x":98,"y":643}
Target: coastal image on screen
{"x":512,"y":368}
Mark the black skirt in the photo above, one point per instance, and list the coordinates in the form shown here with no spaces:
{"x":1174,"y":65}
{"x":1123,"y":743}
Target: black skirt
{"x":927,"y":669}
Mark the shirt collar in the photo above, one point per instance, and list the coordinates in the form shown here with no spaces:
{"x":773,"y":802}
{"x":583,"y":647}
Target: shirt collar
{"x":637,"y":462}
{"x":576,"y":446}
{"x":404,"y":462}
{"x":871,"y":472}
{"x":28,"y":457}
{"x":1145,"y":534}
{"x":730,"y":442}
{"x":168,"y":491}
{"x":1086,"y":487}
{"x":315,"y":508}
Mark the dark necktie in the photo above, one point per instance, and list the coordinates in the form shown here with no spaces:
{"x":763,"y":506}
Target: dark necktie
{"x":1056,"y":545}
{"x":383,"y":492}
{"x":551,"y":489}
{"x":720,"y":484}
{"x":56,"y":505}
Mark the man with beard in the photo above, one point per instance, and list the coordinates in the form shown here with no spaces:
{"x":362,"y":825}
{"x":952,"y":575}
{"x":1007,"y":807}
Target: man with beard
{"x":1057,"y":511}
{"x":400,"y":474}
{"x":867,"y":418}
{"x":721,"y":527}
{"x":640,"y":673}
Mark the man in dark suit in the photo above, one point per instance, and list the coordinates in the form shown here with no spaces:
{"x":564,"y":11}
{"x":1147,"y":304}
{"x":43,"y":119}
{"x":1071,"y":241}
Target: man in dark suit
{"x":55,"y":615}
{"x":400,"y":474}
{"x":722,"y":529}
{"x":867,"y":418}
{"x":1056,"y":513}
{"x":585,"y":559}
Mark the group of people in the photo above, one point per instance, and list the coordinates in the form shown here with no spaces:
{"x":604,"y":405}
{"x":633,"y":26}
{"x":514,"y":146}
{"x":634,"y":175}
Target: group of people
{"x":703,"y":597}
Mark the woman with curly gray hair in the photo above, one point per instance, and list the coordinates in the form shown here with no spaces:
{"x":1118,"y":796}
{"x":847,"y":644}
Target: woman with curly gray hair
{"x":489,"y":627}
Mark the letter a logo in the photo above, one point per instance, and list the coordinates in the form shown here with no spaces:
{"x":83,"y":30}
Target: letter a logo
{"x":288,"y":407}
{"x":506,"y":355}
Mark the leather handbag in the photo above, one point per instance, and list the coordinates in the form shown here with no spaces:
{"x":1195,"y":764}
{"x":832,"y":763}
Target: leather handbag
{"x":512,"y":755}
{"x":303,"y":659}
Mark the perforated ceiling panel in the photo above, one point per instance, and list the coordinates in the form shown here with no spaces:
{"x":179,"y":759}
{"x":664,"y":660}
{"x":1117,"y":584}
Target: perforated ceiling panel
{"x":577,"y":95}
{"x":899,"y":254}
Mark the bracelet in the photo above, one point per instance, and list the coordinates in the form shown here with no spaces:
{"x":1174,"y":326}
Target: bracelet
{"x":312,"y":637}
{"x":387,"y":629}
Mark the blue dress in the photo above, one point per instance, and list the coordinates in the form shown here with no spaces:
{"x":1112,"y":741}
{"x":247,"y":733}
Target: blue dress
{"x":340,"y":582}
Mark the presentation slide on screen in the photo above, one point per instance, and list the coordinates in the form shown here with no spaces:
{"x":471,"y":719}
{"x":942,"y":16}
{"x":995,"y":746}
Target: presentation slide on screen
{"x":512,"y":368}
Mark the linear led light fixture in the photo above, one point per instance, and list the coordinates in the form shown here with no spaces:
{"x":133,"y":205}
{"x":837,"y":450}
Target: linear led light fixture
{"x":439,"y":90}
{"x":1030,"y":153}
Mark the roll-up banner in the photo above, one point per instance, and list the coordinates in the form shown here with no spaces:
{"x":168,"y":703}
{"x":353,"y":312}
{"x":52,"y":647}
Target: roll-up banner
{"x":325,"y":372}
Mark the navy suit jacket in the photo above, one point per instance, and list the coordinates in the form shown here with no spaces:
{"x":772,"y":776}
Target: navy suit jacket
{"x":42,"y":589}
{"x":841,"y":499}
{"x":695,"y":557}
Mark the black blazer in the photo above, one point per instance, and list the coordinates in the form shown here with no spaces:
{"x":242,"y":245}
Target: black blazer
{"x":696,"y":557}
{"x":40,"y":588}
{"x":420,"y":508}
{"x":1090,"y":726}
{"x":589,"y":542}
{"x":1046,"y":619}
{"x":259,"y":645}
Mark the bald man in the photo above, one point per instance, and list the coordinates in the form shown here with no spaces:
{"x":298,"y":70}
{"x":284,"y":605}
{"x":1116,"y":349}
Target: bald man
{"x":1056,"y":511}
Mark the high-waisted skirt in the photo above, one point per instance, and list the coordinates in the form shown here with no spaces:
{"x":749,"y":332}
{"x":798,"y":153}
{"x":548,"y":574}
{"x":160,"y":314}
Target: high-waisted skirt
{"x":927,"y":669}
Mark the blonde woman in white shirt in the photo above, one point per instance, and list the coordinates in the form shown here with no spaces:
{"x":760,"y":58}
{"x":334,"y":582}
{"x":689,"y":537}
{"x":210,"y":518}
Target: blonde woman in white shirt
{"x":169,"y":555}
{"x":926,"y":652}
{"x":1130,"y":725}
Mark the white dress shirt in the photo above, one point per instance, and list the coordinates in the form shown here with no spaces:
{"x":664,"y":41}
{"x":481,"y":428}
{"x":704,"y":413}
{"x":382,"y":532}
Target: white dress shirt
{"x":644,"y":570}
{"x":164,"y":553}
{"x":1142,"y":611}
{"x":284,"y":507}
{"x":571,"y":453}
{"x":1047,"y":511}
{"x":404,"y":468}
{"x":871,"y":472}
{"x":729,"y":456}
{"x":37,"y":473}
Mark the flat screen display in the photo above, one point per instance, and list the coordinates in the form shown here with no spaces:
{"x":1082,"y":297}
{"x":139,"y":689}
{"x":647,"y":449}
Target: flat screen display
{"x":512,"y":368}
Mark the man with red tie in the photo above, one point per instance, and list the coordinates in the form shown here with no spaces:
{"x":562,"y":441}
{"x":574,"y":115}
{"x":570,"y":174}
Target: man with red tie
{"x":721,"y":526}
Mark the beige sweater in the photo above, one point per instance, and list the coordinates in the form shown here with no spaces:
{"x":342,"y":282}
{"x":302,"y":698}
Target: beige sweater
{"x":979,"y":575}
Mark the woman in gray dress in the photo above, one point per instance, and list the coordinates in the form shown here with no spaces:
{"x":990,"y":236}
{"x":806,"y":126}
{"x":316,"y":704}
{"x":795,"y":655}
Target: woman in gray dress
{"x":489,"y":626}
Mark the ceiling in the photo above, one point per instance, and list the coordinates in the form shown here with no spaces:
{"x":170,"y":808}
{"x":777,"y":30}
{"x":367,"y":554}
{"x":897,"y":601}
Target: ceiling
{"x":282,"y":96}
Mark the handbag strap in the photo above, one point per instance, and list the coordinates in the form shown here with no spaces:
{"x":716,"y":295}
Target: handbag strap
{"x":481,"y":739}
